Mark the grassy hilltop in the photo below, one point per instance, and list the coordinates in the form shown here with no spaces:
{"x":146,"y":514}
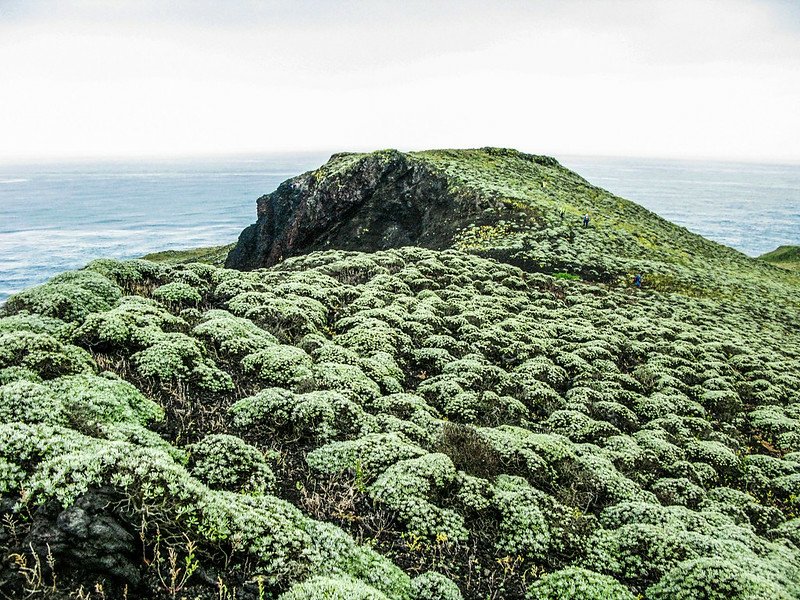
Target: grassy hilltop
{"x":212,"y":255}
{"x":518,"y":208}
{"x":786,"y":257}
{"x":491,"y":412}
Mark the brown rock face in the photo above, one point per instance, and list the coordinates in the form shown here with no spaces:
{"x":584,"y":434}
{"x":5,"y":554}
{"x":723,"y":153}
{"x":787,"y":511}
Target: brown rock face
{"x":354,"y":202}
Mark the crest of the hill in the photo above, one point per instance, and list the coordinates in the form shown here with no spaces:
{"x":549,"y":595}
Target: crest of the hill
{"x":522,"y":209}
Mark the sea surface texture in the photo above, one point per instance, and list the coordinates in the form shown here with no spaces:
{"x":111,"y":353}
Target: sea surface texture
{"x":60,"y":216}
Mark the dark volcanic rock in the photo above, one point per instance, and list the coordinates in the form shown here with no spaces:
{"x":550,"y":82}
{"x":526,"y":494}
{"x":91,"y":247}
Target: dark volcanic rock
{"x":356,"y":202}
{"x":86,"y":538}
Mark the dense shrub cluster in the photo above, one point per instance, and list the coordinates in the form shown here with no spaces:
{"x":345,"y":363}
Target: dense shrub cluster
{"x":523,"y":435}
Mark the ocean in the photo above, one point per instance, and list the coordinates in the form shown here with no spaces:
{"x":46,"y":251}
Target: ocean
{"x":57,"y":217}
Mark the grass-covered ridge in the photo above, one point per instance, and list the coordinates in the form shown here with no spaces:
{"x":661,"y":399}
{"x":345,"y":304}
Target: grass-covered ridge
{"x":212,"y":255}
{"x":537,"y":224}
{"x":518,"y":208}
{"x":403,"y":424}
{"x":787,"y":257}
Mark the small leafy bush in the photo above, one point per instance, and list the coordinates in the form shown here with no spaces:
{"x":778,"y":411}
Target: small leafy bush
{"x":434,"y":586}
{"x":408,"y":486}
{"x":576,"y":583}
{"x":333,"y":588}
{"x":226,"y":462}
{"x":178,"y":294}
{"x":714,"y":579}
{"x":279,"y":365}
{"x":370,"y":454}
{"x":320,"y":415}
{"x":70,"y":297}
{"x":232,"y":336}
{"x":176,"y":356}
{"x":42,"y":354}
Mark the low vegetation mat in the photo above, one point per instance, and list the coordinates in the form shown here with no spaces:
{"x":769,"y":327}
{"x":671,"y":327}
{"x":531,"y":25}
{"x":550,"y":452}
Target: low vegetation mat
{"x":411,"y":423}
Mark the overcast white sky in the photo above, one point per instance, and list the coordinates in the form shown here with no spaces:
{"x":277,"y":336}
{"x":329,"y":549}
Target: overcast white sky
{"x":674,"y":78}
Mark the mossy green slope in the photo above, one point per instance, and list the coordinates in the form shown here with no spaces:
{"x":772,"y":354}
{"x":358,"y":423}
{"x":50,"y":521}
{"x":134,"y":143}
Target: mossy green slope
{"x":623,"y":238}
{"x":212,"y":255}
{"x":786,"y":257}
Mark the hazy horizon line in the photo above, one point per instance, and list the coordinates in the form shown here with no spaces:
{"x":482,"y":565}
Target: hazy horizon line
{"x":7,"y":161}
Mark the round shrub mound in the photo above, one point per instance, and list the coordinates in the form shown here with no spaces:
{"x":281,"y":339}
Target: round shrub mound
{"x":279,"y":365}
{"x":178,"y":294}
{"x":715,"y":579}
{"x":575,"y":583}
{"x":333,"y":588}
{"x":434,"y":586}
{"x":226,"y":462}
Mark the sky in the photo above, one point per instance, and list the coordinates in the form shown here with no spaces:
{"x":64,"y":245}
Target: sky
{"x":688,"y":79}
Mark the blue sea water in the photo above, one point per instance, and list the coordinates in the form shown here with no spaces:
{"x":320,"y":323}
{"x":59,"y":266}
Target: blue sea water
{"x":56,"y":217}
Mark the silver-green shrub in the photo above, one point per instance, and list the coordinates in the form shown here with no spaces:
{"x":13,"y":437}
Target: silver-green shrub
{"x":230,"y":336}
{"x":576,"y":583}
{"x":715,"y":579}
{"x":279,"y":365}
{"x":371,"y":454}
{"x":42,"y":354}
{"x":177,"y":293}
{"x":434,"y":586}
{"x":409,"y":488}
{"x":226,"y":462}
{"x":332,"y":588}
{"x":176,"y":356}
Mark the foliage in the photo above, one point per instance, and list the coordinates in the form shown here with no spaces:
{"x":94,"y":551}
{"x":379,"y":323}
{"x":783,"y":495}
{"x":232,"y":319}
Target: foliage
{"x":232,"y":337}
{"x":176,"y":356}
{"x":406,"y":486}
{"x":42,"y":354}
{"x":320,"y":415}
{"x":69,"y":297}
{"x":575,"y":583}
{"x":279,"y":365}
{"x":89,"y":399}
{"x":434,"y":586}
{"x":177,"y":293}
{"x":226,"y":462}
{"x":370,"y":454}
{"x":473,"y":424}
{"x":332,"y":588}
{"x":712,"y":579}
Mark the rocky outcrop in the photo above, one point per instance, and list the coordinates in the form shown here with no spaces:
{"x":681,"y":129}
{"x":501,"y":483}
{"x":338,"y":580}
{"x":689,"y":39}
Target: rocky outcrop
{"x":86,"y":540}
{"x":521,"y":209}
{"x":356,"y":202}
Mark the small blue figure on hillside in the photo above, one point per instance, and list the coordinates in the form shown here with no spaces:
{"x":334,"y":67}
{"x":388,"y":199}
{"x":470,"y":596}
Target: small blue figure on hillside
{"x":586,"y":220}
{"x":637,"y":280}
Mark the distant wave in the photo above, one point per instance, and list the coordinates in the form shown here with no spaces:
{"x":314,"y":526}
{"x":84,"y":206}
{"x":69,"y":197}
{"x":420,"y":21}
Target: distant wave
{"x":13,"y":180}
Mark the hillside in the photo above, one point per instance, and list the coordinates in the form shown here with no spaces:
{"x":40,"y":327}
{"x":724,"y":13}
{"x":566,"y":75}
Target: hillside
{"x":521,"y":209}
{"x":786,"y":257}
{"x":504,"y":418}
{"x":213,"y":255}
